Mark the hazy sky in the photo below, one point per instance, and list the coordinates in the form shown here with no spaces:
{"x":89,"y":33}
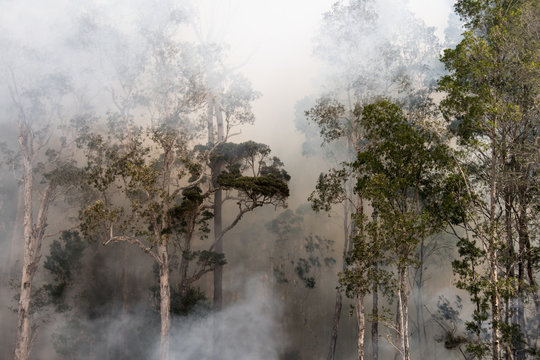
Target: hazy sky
{"x":270,"y":41}
{"x":273,"y":42}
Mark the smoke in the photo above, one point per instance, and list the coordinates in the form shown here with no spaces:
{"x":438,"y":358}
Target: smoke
{"x":94,"y":43}
{"x":247,"y":329}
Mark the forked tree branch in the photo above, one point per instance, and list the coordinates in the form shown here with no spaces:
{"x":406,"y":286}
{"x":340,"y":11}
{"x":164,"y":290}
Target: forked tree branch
{"x":135,"y":241}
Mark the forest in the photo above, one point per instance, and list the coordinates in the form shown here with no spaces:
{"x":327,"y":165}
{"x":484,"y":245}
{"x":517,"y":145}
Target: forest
{"x":377,"y":198}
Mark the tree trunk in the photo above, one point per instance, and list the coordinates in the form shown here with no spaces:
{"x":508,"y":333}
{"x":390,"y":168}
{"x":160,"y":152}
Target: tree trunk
{"x":22,"y":348}
{"x":405,"y":314}
{"x":492,"y":253}
{"x":184,"y":266}
{"x":375,"y":323}
{"x":420,"y":299}
{"x":335,"y":326}
{"x":210,"y":123}
{"x":525,"y":259}
{"x":165,"y":299}
{"x":218,"y":237}
{"x":218,"y":271}
{"x":218,"y":222}
{"x":361,"y":323}
{"x":339,"y":299}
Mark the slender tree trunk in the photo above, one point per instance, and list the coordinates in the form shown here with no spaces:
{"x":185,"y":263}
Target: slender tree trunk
{"x":164,"y":261}
{"x":31,"y":256}
{"x":339,"y":299}
{"x":218,"y":238}
{"x":405,"y":314}
{"x":524,"y":266}
{"x":218,"y":271}
{"x":420,"y":300}
{"x":165,"y":299}
{"x":22,"y":349}
{"x":335,"y":326}
{"x":399,"y":326}
{"x":525,"y":258}
{"x":218,"y":222}
{"x":511,"y":317}
{"x":361,"y":324}
{"x":184,"y":266}
{"x":495,"y":306}
{"x":210,"y":123}
{"x":375,"y":323}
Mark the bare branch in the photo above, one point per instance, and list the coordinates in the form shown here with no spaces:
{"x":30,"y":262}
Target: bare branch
{"x":135,"y":241}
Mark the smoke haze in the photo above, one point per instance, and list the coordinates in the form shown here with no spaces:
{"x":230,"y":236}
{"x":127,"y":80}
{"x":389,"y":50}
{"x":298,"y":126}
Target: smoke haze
{"x":94,"y":50}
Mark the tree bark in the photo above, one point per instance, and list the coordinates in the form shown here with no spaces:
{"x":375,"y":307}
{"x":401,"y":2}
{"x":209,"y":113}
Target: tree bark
{"x":375,"y":323}
{"x":218,"y":238}
{"x":339,"y":299}
{"x":218,"y":221}
{"x":165,"y":299}
{"x":405,"y":314}
{"x":361,"y":324}
{"x":22,"y":348}
{"x":33,"y":237}
{"x":420,"y":300}
{"x":399,"y":327}
{"x":495,"y":311}
{"x":402,"y":316}
{"x":335,"y":326}
{"x":32,"y":246}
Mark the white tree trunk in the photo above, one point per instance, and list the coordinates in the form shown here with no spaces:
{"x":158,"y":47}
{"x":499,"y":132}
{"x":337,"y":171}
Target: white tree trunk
{"x":405,"y":314}
{"x":492,"y":251}
{"x":22,"y":348}
{"x":361,"y":323}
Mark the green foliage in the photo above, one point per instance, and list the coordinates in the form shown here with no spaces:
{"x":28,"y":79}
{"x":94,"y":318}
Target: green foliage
{"x":63,"y":263}
{"x":287,"y":224}
{"x":305,"y":257}
{"x":316,"y":249}
{"x":194,"y":301}
{"x":73,"y":340}
{"x":491,"y":105}
{"x":329,"y":115}
{"x":267,"y":181}
{"x":330,"y":189}
{"x":266,"y":186}
{"x":404,"y":169}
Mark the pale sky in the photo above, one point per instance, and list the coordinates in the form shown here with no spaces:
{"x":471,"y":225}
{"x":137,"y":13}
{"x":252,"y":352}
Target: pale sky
{"x":273,"y":42}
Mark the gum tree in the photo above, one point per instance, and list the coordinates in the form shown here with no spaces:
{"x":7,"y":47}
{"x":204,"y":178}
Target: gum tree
{"x":403,"y":173}
{"x":370,"y":52}
{"x":48,"y":171}
{"x":491,"y":102}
